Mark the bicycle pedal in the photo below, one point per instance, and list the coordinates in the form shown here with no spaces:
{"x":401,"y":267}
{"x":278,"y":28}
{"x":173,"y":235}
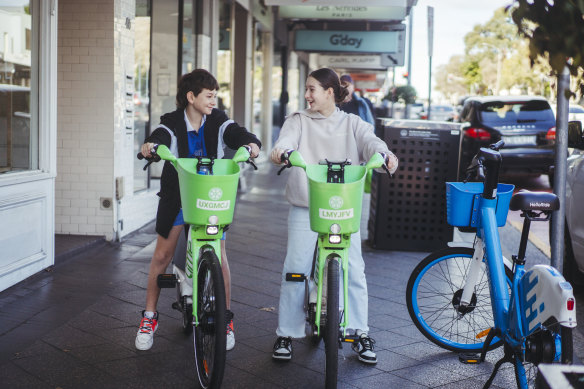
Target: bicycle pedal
{"x":295,"y":277}
{"x":469,"y":358}
{"x":166,"y":280}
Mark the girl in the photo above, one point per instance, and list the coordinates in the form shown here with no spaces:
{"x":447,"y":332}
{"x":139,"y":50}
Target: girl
{"x":322,"y":131}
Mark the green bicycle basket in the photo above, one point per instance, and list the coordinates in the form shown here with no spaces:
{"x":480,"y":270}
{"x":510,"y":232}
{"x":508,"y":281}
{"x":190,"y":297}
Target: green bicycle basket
{"x":335,"y":203}
{"x":206,"y":195}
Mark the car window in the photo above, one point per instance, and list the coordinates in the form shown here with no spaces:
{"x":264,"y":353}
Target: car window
{"x":500,"y":113}
{"x":576,"y":109}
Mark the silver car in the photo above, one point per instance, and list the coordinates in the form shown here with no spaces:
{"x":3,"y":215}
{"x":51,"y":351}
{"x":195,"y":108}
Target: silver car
{"x":574,"y":232}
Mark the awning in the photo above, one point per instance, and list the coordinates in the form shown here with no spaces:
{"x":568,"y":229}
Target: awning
{"x":371,"y":3}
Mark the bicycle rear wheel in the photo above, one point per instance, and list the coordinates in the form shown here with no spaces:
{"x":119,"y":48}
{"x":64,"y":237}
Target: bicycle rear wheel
{"x":552,"y":344}
{"x":331,"y":333}
{"x":433,"y":295}
{"x":209,"y":335}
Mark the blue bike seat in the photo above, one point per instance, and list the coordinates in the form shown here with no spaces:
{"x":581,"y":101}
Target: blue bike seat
{"x":525,"y":200}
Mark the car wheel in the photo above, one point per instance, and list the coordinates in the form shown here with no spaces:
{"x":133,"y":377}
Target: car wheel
{"x":571,"y":272}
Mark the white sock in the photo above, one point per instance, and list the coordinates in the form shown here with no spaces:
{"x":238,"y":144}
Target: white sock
{"x":149,"y":314}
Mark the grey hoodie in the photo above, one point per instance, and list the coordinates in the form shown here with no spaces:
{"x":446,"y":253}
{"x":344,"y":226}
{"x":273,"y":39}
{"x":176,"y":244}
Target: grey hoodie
{"x":316,"y":137}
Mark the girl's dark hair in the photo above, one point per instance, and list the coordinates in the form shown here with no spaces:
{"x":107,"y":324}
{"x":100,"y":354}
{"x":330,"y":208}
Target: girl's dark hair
{"x":328,"y":78}
{"x":195,"y":82}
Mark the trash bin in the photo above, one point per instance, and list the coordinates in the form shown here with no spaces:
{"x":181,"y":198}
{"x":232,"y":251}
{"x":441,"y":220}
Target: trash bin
{"x":408,"y":211}
{"x":558,"y":376}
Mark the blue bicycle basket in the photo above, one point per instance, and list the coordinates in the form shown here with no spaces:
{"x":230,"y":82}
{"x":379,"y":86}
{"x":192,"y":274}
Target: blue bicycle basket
{"x":462,"y":203}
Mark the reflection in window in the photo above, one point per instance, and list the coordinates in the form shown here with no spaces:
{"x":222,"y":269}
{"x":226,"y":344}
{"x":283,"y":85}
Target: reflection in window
{"x":18,"y":91}
{"x":141,"y":87}
{"x":224,"y":57}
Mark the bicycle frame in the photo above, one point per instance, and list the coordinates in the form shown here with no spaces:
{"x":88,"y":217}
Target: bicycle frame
{"x":215,"y":215}
{"x":327,"y":248}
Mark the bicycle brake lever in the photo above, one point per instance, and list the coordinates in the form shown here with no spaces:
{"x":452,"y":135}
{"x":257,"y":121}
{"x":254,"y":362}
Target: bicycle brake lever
{"x":282,"y":169}
{"x":148,"y":164}
{"x":252,"y":164}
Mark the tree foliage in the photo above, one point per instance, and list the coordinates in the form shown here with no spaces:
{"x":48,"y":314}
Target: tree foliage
{"x":555,"y":30}
{"x":406,"y":94}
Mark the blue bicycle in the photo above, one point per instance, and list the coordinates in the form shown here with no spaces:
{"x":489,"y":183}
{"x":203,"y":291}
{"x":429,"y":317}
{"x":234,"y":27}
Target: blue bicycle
{"x":466,"y":299}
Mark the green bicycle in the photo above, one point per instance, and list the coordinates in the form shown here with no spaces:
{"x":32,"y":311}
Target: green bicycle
{"x":208,"y":188}
{"x":335,"y":192}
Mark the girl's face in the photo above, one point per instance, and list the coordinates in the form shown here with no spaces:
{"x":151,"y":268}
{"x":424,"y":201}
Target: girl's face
{"x":204,"y":102}
{"x":317,"y":98}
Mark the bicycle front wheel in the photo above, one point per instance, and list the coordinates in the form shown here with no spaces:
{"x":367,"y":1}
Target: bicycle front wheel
{"x":433,"y":299}
{"x":209,"y":335}
{"x":331,"y":333}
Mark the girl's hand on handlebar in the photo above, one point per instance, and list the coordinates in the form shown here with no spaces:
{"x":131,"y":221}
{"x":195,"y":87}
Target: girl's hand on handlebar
{"x":391,"y":162}
{"x":275,"y":156}
{"x":146,"y":149}
{"x":255,"y":150}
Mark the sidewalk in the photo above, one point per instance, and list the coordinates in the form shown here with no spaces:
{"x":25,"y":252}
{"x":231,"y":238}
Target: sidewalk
{"x":74,"y":326}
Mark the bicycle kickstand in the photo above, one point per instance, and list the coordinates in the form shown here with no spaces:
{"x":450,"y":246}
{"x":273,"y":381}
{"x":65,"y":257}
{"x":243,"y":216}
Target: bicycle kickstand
{"x":475,"y":359}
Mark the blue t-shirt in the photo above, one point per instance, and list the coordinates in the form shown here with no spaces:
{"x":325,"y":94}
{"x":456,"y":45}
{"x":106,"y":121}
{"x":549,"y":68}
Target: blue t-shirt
{"x":197,"y":143}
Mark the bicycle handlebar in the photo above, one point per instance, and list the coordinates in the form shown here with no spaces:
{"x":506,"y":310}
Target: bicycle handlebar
{"x":485,"y":167}
{"x":156,"y":158}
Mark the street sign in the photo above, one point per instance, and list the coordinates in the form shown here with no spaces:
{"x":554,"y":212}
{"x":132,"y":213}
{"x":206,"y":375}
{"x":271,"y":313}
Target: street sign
{"x":390,"y":42}
{"x":330,"y":12}
{"x":362,"y":61}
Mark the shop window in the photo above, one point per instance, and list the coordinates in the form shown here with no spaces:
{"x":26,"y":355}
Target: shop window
{"x":224,"y":57}
{"x":141,"y":87}
{"x":19,"y":28}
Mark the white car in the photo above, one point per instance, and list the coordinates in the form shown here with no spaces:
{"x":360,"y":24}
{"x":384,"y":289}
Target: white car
{"x":576,"y":112}
{"x":574,"y":232}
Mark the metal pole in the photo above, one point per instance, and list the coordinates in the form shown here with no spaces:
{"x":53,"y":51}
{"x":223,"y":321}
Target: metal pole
{"x":392,"y":88}
{"x":557,"y":223}
{"x":410,"y":28}
{"x":284,"y":93}
{"x":429,"y":89}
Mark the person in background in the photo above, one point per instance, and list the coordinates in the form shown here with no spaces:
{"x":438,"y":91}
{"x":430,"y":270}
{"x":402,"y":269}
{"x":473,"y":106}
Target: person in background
{"x":355,"y":104}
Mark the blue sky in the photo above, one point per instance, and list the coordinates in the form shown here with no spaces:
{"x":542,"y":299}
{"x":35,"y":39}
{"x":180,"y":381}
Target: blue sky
{"x":453,"y":19}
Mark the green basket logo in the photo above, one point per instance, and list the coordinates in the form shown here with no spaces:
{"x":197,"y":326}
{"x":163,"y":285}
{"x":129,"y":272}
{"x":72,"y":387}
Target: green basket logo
{"x":214,"y":205}
{"x":336,"y":202}
{"x":215,"y":193}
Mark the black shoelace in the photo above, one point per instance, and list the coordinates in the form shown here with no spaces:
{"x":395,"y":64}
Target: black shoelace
{"x":282,"y":343}
{"x":367,"y":343}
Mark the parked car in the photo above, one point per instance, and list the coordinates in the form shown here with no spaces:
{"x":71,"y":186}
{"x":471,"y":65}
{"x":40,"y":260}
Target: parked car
{"x":440,"y":113}
{"x":576,"y":112}
{"x":525,"y":123}
{"x":574,"y":231}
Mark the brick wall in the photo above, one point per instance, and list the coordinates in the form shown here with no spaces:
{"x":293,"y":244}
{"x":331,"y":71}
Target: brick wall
{"x":85,"y":121}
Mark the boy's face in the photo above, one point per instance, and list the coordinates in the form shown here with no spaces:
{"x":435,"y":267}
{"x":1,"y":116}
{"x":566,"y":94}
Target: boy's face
{"x":204,"y":102}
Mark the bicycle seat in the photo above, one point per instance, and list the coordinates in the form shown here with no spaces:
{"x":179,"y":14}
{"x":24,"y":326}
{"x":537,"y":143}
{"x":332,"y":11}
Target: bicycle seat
{"x":525,"y":200}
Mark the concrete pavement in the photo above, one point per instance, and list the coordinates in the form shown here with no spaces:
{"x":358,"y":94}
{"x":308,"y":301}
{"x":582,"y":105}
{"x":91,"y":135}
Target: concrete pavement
{"x":74,"y":326}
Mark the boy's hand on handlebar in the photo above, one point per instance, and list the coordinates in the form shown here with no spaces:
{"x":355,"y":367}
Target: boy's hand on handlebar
{"x":255,"y":150}
{"x":146,"y":149}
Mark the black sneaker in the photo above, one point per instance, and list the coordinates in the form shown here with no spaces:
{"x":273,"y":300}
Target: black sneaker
{"x":283,"y":348}
{"x":364,"y":347}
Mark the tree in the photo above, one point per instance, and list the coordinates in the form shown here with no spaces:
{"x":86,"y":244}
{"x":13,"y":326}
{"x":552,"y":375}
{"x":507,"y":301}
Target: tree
{"x":405,"y":93}
{"x":555,"y":31}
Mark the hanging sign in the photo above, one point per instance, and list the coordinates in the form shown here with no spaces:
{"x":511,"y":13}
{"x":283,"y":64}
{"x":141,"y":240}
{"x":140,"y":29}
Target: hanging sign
{"x":371,"y":3}
{"x":331,"y":12}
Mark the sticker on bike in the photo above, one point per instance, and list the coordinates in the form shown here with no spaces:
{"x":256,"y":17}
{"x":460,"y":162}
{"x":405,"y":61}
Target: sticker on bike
{"x":331,"y":214}
{"x":209,"y":205}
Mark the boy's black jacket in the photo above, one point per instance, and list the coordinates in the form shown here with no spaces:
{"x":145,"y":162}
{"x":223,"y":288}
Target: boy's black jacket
{"x":234,"y":137}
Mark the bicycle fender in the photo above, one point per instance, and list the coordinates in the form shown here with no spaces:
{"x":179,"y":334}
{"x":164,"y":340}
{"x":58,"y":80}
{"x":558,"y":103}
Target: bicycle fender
{"x":544,"y":295}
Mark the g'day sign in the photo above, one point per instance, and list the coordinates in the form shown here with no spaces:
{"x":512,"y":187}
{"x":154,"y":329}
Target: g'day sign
{"x":350,"y":41}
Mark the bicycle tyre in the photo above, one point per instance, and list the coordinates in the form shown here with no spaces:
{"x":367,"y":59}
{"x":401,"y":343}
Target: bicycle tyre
{"x":431,"y":294}
{"x":331,"y":334}
{"x":209,"y":336}
{"x":565,"y":356}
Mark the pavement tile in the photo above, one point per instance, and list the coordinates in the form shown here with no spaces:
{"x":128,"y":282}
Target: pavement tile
{"x":386,"y":380}
{"x":13,"y":377}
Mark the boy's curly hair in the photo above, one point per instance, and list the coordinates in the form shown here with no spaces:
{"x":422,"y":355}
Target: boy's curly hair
{"x":195,"y":82}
